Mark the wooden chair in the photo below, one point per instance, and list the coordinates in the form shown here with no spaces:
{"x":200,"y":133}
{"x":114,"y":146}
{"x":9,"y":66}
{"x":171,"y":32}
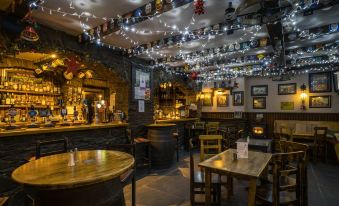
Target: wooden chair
{"x":197,"y":182}
{"x":278,"y":192}
{"x":43,"y":147}
{"x":199,"y":125}
{"x":212,"y":128}
{"x":130,"y":175}
{"x":210,"y":145}
{"x":320,"y":144}
{"x":289,"y":146}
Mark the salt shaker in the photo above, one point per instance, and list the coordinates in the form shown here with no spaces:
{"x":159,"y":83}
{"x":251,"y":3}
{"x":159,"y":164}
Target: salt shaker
{"x":71,"y":161}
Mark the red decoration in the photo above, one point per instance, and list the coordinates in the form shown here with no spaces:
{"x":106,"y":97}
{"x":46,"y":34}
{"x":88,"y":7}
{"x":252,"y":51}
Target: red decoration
{"x":194,"y":75}
{"x":199,"y":7}
{"x":29,"y":34}
{"x":73,"y":65}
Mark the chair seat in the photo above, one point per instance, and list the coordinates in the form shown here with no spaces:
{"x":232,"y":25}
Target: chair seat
{"x":284,"y":181}
{"x":141,"y":140}
{"x":3,"y":200}
{"x":199,"y":178}
{"x":265,"y":193}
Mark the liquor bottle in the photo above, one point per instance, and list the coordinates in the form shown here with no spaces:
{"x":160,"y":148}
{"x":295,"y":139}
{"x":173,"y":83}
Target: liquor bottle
{"x":2,"y":82}
{"x":6,"y":83}
{"x":3,"y":99}
{"x":8,"y":99}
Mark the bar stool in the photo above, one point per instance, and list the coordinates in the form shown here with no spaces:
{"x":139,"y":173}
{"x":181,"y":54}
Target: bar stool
{"x":212,"y":128}
{"x":175,"y":134}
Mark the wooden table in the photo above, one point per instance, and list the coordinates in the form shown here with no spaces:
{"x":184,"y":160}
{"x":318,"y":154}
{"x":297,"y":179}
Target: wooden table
{"x":94,"y":180}
{"x":249,"y":169}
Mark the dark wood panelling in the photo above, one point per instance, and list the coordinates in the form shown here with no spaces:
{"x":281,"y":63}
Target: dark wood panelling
{"x":269,"y":118}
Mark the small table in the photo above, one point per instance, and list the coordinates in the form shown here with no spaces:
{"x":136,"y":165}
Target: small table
{"x":94,"y":180}
{"x":249,"y":169}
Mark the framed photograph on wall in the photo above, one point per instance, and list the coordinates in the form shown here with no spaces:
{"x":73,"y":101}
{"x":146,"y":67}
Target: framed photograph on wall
{"x":259,"y":102}
{"x":320,"y":82}
{"x":336,"y":81}
{"x":287,"y":89}
{"x":320,"y":101}
{"x":238,"y":98}
{"x":207,"y":100}
{"x":259,"y":90}
{"x":287,"y":105}
{"x":223,"y":100}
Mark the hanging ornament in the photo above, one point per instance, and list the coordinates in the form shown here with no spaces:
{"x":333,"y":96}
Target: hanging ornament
{"x":158,"y":5}
{"x":194,"y":75}
{"x":199,"y":7}
{"x":148,"y":8}
{"x":29,"y":34}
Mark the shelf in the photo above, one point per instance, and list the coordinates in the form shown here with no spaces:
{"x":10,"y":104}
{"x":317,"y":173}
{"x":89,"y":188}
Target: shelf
{"x":28,"y":92}
{"x":24,"y":106}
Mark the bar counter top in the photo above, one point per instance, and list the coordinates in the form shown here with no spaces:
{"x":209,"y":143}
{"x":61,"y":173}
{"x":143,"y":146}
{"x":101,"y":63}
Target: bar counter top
{"x":176,"y":120}
{"x":32,"y":131}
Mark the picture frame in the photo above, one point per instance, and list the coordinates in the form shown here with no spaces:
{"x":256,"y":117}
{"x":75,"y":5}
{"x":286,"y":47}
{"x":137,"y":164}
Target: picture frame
{"x":286,"y":105}
{"x":259,"y":102}
{"x":287,"y":89}
{"x":320,"y":82}
{"x":207,"y":100}
{"x":223,"y":100}
{"x":323,"y":101}
{"x":259,"y":90}
{"x":336,"y":81}
{"x":238,"y":98}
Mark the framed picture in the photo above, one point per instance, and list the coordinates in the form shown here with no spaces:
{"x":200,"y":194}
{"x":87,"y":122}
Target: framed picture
{"x":320,"y":82}
{"x":286,"y":89}
{"x":320,"y":101}
{"x":336,"y":81}
{"x":223,"y":100}
{"x":259,"y":90}
{"x":287,"y":105}
{"x":207,"y":100}
{"x":259,"y":102}
{"x":238,"y":98}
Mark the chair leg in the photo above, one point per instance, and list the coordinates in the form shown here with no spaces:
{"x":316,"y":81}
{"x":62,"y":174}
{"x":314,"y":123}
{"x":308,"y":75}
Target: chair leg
{"x":133,"y":190}
{"x":149,"y":150}
{"x":178,"y":149}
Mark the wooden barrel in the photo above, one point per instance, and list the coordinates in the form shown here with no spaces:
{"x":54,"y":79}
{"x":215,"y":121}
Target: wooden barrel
{"x":163,"y":145}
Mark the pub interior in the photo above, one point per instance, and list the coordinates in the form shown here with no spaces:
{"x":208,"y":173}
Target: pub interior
{"x":169,"y":102}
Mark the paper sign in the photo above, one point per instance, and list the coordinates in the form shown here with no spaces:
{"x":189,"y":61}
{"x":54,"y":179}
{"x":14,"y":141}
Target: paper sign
{"x":242,"y":150}
{"x":141,"y":104}
{"x":142,"y":81}
{"x":139,"y":93}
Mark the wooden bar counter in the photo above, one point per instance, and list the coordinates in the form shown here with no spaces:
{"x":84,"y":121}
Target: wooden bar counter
{"x":17,"y":146}
{"x":57,"y":129}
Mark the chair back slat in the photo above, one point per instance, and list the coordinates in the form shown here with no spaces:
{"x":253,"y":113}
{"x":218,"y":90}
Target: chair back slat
{"x":210,"y":145}
{"x":199,"y":125}
{"x":42,"y":146}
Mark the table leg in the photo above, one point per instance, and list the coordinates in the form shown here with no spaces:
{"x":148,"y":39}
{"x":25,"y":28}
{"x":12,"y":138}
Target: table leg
{"x":229,"y":187}
{"x":251,"y":192}
{"x":207,"y":187}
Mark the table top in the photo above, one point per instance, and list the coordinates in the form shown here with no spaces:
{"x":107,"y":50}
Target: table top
{"x":160,"y":125}
{"x":251,"y":167}
{"x":92,"y":166}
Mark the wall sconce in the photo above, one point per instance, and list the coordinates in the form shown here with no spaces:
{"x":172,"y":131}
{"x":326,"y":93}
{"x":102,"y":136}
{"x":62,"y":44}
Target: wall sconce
{"x":303,"y":96}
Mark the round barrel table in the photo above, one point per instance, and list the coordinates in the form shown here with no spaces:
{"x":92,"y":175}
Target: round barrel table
{"x":93,"y":180}
{"x":162,"y":143}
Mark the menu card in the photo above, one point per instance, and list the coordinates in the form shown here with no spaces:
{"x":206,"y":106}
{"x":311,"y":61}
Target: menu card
{"x":242,"y":150}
